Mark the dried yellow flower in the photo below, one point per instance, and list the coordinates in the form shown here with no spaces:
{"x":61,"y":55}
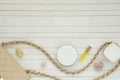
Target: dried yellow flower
{"x":19,"y":52}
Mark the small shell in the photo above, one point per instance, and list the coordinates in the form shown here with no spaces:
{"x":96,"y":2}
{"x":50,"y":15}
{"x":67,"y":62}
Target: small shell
{"x":43,"y":64}
{"x":98,"y":65}
{"x":19,"y":52}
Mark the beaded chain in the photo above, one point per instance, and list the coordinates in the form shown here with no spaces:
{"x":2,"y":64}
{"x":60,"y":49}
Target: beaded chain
{"x":102,"y":47}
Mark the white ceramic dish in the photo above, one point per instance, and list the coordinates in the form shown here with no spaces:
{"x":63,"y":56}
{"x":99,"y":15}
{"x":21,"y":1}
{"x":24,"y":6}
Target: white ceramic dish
{"x":67,"y":55}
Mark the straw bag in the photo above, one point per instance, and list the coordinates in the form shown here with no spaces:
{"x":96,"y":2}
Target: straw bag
{"x":9,"y":68}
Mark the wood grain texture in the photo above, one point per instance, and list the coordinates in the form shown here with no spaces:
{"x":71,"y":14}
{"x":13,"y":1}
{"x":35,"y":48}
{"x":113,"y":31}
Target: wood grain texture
{"x":54,"y":23}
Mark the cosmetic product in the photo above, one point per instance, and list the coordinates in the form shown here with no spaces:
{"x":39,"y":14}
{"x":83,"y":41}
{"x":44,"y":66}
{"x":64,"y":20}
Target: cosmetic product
{"x":67,"y":55}
{"x":85,"y":53}
{"x":112,"y":52}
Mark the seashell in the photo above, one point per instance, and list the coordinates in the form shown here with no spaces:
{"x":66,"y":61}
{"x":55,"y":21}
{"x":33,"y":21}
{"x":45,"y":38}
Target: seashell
{"x":98,"y":65}
{"x":43,"y":64}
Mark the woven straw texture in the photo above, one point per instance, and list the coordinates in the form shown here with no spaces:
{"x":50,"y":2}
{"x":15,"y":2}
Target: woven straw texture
{"x":9,"y":68}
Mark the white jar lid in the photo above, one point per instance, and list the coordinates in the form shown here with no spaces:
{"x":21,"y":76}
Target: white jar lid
{"x":67,"y":55}
{"x":112,"y":52}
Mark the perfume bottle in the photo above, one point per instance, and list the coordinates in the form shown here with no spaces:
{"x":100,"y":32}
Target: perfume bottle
{"x":84,"y":54}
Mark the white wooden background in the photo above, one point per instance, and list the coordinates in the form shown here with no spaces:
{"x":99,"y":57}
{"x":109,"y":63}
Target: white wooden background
{"x":53,"y":23}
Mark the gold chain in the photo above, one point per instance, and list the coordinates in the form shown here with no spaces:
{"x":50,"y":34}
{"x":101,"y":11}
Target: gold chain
{"x":102,"y":47}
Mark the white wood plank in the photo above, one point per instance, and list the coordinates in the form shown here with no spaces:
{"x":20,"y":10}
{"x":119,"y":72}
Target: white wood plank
{"x":59,"y":13}
{"x":59,"y":1}
{"x":63,"y":35}
{"x":59,"y":7}
{"x":39,"y":30}
{"x":61,"y":21}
